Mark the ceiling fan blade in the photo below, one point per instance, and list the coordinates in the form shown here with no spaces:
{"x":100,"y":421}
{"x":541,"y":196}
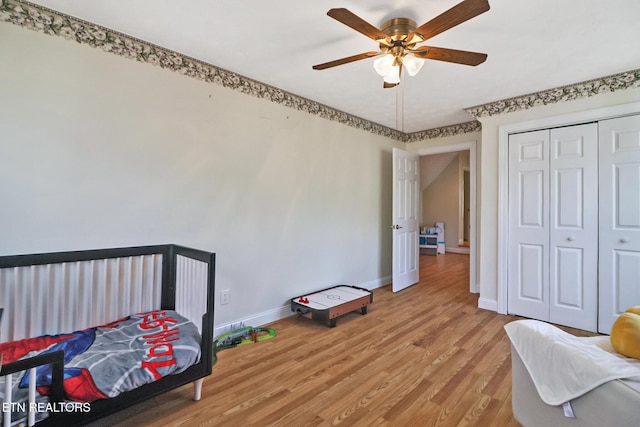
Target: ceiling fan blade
{"x":456,"y":15}
{"x":450,"y":55}
{"x":354,"y":21}
{"x":346,"y":60}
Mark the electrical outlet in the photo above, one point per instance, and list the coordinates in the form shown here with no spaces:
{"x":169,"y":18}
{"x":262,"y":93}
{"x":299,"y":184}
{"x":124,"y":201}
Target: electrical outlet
{"x":224,"y":297}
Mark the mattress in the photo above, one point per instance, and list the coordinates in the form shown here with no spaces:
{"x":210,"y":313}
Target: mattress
{"x":105,"y":361}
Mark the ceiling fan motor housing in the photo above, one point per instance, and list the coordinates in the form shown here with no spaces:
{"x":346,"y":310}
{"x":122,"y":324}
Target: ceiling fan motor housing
{"x":398,"y":29}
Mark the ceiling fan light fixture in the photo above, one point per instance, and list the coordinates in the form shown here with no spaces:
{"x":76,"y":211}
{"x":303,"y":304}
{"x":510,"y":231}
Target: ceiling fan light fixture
{"x":388,"y":67}
{"x":384,"y":64}
{"x":412,"y":64}
{"x":393,"y":76}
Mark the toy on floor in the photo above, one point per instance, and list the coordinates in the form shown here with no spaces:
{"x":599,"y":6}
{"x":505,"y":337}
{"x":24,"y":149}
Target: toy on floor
{"x":328,"y":304}
{"x":241,"y":336}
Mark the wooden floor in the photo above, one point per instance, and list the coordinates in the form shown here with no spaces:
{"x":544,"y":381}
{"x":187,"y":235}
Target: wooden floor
{"x":426,"y":356}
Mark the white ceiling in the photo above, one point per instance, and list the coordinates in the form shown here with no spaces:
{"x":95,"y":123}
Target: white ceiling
{"x":532,"y":45}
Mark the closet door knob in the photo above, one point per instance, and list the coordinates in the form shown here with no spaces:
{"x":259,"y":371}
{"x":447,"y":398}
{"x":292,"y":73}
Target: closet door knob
{"x":570,"y":238}
{"x":624,"y":240}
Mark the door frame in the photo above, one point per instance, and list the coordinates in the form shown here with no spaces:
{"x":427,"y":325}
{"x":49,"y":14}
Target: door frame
{"x":463,"y":195}
{"x":503,"y":174}
{"x":470,"y":146}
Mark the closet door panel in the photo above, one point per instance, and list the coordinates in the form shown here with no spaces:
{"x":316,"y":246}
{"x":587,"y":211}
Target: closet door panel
{"x":627,"y":266}
{"x":569,"y":271}
{"x":528,"y":271}
{"x":573,"y":221}
{"x":531,"y":273}
{"x":619,"y":243}
{"x":627,"y":197}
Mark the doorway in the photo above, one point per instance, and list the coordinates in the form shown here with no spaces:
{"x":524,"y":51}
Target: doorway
{"x":471,"y":148}
{"x":442,"y":198}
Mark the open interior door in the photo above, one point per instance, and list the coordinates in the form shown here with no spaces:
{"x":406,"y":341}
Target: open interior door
{"x":405,"y":225}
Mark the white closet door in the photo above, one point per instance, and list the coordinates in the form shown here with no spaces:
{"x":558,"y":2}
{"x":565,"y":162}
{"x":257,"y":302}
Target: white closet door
{"x":573,"y":224}
{"x":528,"y":265}
{"x":619,"y":210}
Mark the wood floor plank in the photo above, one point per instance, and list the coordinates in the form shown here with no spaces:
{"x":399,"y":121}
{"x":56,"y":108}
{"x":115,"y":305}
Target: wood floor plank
{"x":424,"y":356}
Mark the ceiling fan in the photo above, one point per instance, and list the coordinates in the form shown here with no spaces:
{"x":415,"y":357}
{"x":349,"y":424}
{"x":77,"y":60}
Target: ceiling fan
{"x":398,"y":38}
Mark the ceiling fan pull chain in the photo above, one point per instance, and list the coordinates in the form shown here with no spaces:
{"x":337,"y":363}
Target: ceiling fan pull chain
{"x":402,"y":89}
{"x":397,"y":108}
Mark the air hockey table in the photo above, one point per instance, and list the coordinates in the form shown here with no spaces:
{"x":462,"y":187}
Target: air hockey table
{"x":328,"y":304}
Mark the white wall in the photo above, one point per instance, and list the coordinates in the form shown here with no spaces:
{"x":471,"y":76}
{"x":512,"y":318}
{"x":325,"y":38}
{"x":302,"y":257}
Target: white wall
{"x":100,"y":151}
{"x":432,"y":166}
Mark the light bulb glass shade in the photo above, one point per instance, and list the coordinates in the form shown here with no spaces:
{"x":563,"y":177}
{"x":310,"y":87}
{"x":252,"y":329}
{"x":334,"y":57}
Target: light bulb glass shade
{"x":393,"y":76}
{"x":383,"y":64}
{"x":412,"y":64}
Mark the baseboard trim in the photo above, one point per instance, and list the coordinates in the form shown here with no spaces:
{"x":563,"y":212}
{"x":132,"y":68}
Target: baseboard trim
{"x":374,"y":284}
{"x":255,"y":320}
{"x":488,"y":304}
{"x":458,"y":250}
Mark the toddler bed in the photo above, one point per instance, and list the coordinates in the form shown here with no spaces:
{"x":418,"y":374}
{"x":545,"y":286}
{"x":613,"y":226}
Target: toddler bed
{"x":154,"y":305}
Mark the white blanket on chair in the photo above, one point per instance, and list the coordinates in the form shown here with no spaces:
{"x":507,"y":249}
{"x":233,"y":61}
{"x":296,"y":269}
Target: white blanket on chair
{"x":563,"y":366}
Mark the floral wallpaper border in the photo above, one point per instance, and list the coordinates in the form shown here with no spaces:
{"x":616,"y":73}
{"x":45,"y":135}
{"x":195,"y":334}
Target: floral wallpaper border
{"x":612,"y":83}
{"x":38,"y":18}
{"x":441,"y":132}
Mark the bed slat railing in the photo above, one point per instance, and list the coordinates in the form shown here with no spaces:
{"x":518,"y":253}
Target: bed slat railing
{"x":191,"y":289}
{"x":70,"y":296}
{"x":7,"y":392}
{"x":7,"y":373}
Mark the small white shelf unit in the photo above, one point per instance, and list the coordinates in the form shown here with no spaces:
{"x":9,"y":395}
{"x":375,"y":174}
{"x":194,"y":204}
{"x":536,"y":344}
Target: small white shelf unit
{"x":431,"y":240}
{"x":429,"y":244}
